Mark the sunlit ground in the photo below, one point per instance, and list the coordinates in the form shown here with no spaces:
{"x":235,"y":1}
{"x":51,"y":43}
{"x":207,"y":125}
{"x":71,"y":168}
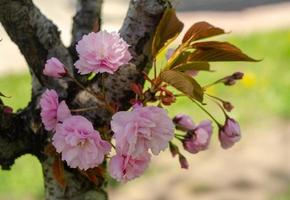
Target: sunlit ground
{"x":254,"y":169}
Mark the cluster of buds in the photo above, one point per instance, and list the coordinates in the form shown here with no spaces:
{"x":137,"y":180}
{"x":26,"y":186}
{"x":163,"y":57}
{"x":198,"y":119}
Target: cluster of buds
{"x":197,"y":137}
{"x":232,"y":79}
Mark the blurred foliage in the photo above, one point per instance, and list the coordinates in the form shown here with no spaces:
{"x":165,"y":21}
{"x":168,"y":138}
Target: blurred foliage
{"x":263,"y":93}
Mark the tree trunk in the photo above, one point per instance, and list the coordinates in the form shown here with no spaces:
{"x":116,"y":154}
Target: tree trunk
{"x":38,"y":39}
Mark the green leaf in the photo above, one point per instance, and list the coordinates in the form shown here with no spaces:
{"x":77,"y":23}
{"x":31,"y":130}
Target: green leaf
{"x":184,"y":83}
{"x":167,"y":30}
{"x":201,"y":30}
{"x":218,"y":51}
{"x":198,"y":66}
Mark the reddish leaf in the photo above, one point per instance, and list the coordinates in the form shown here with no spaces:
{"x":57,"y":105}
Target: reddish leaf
{"x":180,"y":58}
{"x":201,"y":30}
{"x":58,"y":172}
{"x":167,"y":30}
{"x":184,"y":83}
{"x":218,"y":51}
{"x":197,"y":66}
{"x":94,"y":174}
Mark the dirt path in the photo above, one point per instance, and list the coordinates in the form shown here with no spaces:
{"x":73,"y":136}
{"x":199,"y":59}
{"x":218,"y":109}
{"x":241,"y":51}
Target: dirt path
{"x":258,"y":168}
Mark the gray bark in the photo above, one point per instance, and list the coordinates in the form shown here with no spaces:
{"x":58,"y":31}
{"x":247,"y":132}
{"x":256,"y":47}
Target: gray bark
{"x":38,"y":39}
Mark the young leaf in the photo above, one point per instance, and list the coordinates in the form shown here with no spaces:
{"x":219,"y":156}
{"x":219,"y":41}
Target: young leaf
{"x":94,"y":173}
{"x":218,"y":51}
{"x":58,"y":172}
{"x":201,"y":30}
{"x":198,"y":66}
{"x":183,"y":83}
{"x":178,"y":59}
{"x":167,"y":30}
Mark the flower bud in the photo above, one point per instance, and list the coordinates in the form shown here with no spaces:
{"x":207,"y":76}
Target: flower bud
{"x":199,"y":138}
{"x":183,"y":162}
{"x":184,"y":122}
{"x":227,"y":106}
{"x":229,"y":81}
{"x":230,"y":133}
{"x":238,"y":75}
{"x":54,"y":68}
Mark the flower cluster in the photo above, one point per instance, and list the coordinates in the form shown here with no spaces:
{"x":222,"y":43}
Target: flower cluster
{"x":136,"y":132}
{"x":74,"y":136}
{"x":146,"y":129}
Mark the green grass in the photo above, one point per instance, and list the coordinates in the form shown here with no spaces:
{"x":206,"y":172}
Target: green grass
{"x":264,"y":93}
{"x":24,"y":180}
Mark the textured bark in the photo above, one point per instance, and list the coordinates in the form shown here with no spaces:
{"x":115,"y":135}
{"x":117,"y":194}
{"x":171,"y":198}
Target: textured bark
{"x":38,"y":39}
{"x":87,"y":19}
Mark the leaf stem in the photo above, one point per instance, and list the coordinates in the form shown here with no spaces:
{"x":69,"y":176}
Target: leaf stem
{"x":210,"y":115}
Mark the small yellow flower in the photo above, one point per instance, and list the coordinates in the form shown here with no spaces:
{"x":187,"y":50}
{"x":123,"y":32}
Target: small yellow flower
{"x":249,"y":79}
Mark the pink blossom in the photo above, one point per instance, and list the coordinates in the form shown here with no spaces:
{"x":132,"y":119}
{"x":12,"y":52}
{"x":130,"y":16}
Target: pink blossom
{"x":63,"y":112}
{"x":124,"y":168}
{"x":184,"y":122}
{"x":54,"y":68}
{"x":101,"y":52}
{"x":49,"y":105}
{"x":230,"y":133}
{"x":199,"y":138}
{"x":141,"y":129}
{"x":51,"y":111}
{"x":79,"y":144}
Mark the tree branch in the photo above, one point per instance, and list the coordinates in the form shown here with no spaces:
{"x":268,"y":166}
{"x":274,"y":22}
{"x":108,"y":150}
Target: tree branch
{"x":37,"y":38}
{"x":78,"y":187}
{"x":138,"y":28}
{"x":20,"y":133}
{"x":140,"y":24}
{"x":87,"y":19}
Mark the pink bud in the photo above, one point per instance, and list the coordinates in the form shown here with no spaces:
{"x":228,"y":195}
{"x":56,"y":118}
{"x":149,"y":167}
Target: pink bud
{"x":54,"y":68}
{"x":184,"y":121}
{"x":199,"y":138}
{"x":183,"y":162}
{"x":230,"y":133}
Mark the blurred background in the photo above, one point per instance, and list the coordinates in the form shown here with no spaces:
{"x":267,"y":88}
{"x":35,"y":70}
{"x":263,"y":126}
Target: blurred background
{"x":257,"y":168}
